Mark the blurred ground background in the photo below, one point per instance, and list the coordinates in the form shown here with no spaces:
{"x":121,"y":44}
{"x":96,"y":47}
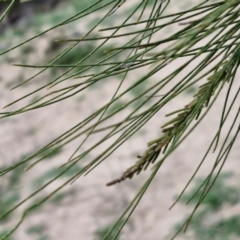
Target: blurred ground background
{"x":86,"y":209}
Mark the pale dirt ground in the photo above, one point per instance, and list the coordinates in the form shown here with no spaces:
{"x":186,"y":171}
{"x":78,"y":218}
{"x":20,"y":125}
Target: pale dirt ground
{"x":93,"y":205}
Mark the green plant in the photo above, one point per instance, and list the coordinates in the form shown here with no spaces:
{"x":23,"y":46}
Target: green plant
{"x":219,"y":229}
{"x":219,"y":194}
{"x":36,"y":229}
{"x":9,"y":190}
{"x":103,"y":233}
{"x":208,"y":38}
{"x":3,"y":233}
